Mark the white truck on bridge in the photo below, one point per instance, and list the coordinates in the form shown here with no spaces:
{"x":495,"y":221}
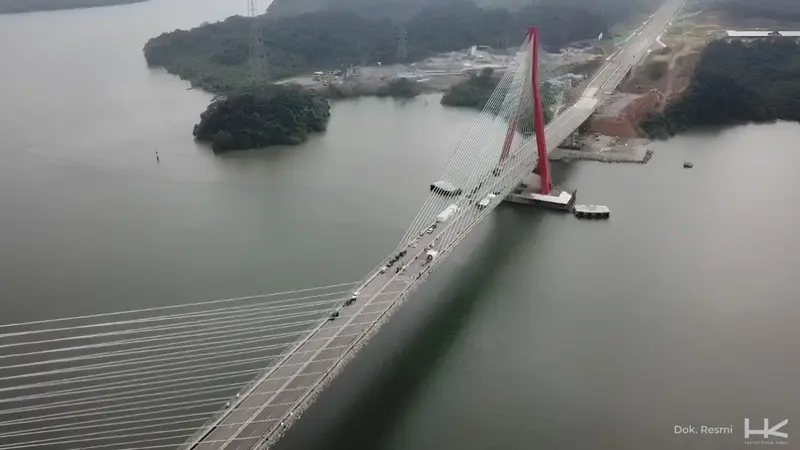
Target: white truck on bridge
{"x":486,"y":201}
{"x":448,"y":212}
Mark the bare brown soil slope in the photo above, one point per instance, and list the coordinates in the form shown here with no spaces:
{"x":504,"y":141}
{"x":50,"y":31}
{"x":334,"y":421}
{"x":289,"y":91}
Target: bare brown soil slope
{"x":646,"y":91}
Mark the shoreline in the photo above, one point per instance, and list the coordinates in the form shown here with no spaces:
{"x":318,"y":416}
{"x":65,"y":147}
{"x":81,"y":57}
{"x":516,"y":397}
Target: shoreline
{"x":9,"y":7}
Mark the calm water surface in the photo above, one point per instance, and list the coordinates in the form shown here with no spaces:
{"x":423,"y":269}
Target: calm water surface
{"x":541,"y":332}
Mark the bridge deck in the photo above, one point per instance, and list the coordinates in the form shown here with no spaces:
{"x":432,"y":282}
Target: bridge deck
{"x":291,"y":382}
{"x":261,"y":416}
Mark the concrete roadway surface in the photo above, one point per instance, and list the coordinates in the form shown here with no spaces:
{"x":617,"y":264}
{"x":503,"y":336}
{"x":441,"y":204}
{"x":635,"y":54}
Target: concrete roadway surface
{"x":275,"y":402}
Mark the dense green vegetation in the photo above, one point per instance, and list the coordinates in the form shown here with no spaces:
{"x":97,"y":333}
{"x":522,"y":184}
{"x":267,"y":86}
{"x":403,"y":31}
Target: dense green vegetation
{"x":403,"y":9}
{"x":215,"y":56}
{"x":476,"y":91}
{"x":335,"y":33}
{"x":402,"y":88}
{"x":252,"y":118}
{"x":736,"y":83}
{"x":473,"y":92}
{"x":771,"y":9}
{"x":20,"y":6}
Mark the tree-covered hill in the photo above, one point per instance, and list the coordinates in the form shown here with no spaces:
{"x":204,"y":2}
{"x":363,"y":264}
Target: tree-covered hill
{"x":767,"y":9}
{"x":397,"y":10}
{"x":402,"y":9}
{"x":736,"y":83}
{"x":476,"y":91}
{"x":214,"y":56}
{"x":252,"y":118}
{"x":473,"y":92}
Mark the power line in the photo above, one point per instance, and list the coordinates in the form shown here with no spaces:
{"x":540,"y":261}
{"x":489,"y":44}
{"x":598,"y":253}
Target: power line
{"x":150,"y":382}
{"x":83,"y":437}
{"x":182,"y":340}
{"x":402,"y":44}
{"x":163,"y":308}
{"x":170,"y":359}
{"x":171,"y":336}
{"x":205,"y":322}
{"x":131,"y":435}
{"x":257,"y":55}
{"x":225,"y":310}
{"x":141,"y":393}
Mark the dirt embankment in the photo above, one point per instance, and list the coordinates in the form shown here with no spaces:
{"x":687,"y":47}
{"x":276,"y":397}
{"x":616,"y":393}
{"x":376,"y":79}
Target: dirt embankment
{"x":662,"y":77}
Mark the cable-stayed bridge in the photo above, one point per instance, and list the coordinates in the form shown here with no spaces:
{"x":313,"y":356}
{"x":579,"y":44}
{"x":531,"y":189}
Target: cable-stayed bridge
{"x":235,"y":373}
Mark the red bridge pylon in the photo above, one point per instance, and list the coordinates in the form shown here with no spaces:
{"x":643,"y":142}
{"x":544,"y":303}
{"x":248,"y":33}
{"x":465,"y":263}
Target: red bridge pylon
{"x":538,"y":117}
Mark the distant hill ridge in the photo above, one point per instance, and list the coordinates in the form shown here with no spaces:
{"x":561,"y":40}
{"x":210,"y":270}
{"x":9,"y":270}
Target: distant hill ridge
{"x":404,"y":9}
{"x":766,"y":9}
{"x":215,"y":56}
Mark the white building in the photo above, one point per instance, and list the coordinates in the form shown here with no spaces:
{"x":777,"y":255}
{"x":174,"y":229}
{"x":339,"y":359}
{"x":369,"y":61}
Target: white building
{"x":750,"y":34}
{"x":756,"y":34}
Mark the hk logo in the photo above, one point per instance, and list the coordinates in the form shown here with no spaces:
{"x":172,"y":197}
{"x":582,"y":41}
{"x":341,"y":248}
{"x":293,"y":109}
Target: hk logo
{"x":767,"y":431}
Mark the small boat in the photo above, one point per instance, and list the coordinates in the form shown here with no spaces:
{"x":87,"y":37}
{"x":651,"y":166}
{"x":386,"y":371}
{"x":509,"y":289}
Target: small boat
{"x":687,"y":165}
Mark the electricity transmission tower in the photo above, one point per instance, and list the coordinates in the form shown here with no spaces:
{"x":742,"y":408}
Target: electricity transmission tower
{"x":402,"y":45}
{"x":257,"y":56}
{"x":363,"y":51}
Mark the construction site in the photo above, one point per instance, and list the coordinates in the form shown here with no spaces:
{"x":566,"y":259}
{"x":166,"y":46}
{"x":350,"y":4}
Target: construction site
{"x":612,"y":134}
{"x":665,"y":74}
{"x":667,"y":71}
{"x":440,"y":72}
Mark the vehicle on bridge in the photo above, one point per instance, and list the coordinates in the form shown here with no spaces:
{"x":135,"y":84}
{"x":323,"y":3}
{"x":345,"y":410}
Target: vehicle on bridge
{"x":281,"y":395}
{"x":352,"y":299}
{"x":446,"y":188}
{"x":475,"y":190}
{"x":396,"y":258}
{"x":431,"y":255}
{"x":486,"y":201}
{"x":447,"y":213}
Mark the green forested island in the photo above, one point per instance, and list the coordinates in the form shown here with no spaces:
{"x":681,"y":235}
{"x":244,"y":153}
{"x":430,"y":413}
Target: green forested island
{"x":214,"y":57}
{"x":476,"y":91}
{"x":261,"y":117}
{"x":473,"y":92}
{"x":21,"y":6}
{"x":736,"y":83}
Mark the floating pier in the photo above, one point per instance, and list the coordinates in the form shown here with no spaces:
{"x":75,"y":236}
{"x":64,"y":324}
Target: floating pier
{"x":528,"y":193}
{"x":592,"y":212}
{"x":557,"y":199}
{"x":562,"y":200}
{"x":567,"y":156}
